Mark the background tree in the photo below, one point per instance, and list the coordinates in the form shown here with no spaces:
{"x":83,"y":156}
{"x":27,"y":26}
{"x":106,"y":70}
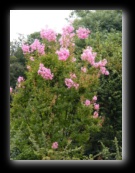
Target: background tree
{"x":32,"y":37}
{"x":98,"y":20}
{"x":17,"y":60}
{"x":106,"y":39}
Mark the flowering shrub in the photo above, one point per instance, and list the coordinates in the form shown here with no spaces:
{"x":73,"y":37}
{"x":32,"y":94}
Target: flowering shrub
{"x":57,"y":101}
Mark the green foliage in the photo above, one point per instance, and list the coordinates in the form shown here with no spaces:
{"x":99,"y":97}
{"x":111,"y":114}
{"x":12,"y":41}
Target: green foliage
{"x":98,"y":20}
{"x":110,"y":92}
{"x":32,"y":37}
{"x":107,"y":154}
{"x":17,"y":60}
{"x":16,"y":69}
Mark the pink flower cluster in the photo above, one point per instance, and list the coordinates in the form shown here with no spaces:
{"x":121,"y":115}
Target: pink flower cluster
{"x":101,"y":65}
{"x":83,"y":33}
{"x":20,"y":79}
{"x":48,"y":34}
{"x":72,"y":75}
{"x":63,"y":54}
{"x":87,"y":102}
{"x":36,"y":45}
{"x":25,"y":48}
{"x":70,"y":83}
{"x":68,"y":29}
{"x":96,"y":106}
{"x":89,"y":56}
{"x":94,"y":98}
{"x":95,"y":114}
{"x":11,"y":89}
{"x":45,"y":72}
{"x":67,"y":36}
{"x":55,"y":145}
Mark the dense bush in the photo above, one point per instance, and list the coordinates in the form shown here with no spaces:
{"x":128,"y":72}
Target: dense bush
{"x":55,"y":110}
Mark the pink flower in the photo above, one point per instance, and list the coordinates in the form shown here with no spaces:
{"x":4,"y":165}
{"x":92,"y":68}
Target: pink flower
{"x":20,"y":79}
{"x":41,"y":49}
{"x":55,"y":145}
{"x":84,"y":69}
{"x":97,"y":64}
{"x":72,"y":75}
{"x":45,"y":72}
{"x":69,"y":83}
{"x":87,"y":102}
{"x":36,"y":45}
{"x":76,"y":85}
{"x":48,"y":34}
{"x":67,"y":35}
{"x":95,"y":114}
{"x":106,"y":72}
{"x":94,"y":98}
{"x":102,"y":70}
{"x":88,"y":55}
{"x":96,"y":106}
{"x":31,"y":58}
{"x":82,"y":33}
{"x":41,"y":65}
{"x":73,"y":44}
{"x":68,"y":29}
{"x":11,"y":89}
{"x":101,"y":63}
{"x":25,"y":49}
{"x":104,"y":62}
{"x":63,"y":54}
